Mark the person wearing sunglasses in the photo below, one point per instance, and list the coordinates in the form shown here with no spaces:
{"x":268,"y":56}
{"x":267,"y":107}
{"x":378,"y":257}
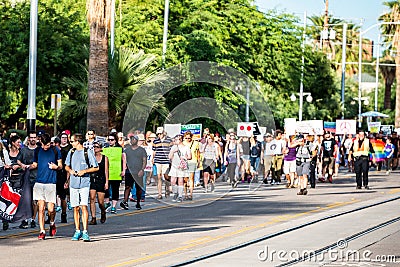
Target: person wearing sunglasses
{"x":98,"y":184}
{"x":90,"y":138}
{"x":193,"y":163}
{"x":80,"y":163}
{"x":116,"y":160}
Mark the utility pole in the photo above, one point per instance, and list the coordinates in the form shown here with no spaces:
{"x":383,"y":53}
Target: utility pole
{"x":326,"y":20}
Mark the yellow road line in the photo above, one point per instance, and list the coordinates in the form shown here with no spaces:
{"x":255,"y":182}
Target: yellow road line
{"x":394,"y":191}
{"x":207,"y":240}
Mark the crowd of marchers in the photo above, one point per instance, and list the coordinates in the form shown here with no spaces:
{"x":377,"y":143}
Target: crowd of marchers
{"x":74,"y":172}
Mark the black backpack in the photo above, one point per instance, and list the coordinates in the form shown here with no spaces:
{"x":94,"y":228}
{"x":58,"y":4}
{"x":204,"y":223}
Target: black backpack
{"x":91,"y":174}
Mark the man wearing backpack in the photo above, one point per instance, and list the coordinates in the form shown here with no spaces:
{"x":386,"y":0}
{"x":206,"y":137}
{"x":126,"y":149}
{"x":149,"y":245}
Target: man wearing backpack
{"x":79,"y":163}
{"x":304,"y":155}
{"x":47,"y":160}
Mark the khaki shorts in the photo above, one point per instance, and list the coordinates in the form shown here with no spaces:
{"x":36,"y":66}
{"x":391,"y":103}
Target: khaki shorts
{"x":192,"y":166}
{"x":46,"y":192}
{"x":162,"y":168}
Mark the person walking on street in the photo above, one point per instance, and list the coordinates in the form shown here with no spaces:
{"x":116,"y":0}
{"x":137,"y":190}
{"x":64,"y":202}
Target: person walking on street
{"x":136,"y":161}
{"x":179,"y":154}
{"x":116,"y":160}
{"x":98,"y":184}
{"x":161,"y":148}
{"x":389,"y":151}
{"x":232,"y":161}
{"x":304,"y":154}
{"x":47,"y":160}
{"x":80,"y":163}
{"x":193,"y":163}
{"x":277,"y":159}
{"x":328,"y":150}
{"x":267,"y":153}
{"x":360,"y":151}
{"x":25,"y":160}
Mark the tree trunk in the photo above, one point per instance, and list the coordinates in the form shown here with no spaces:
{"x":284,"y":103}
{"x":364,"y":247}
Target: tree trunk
{"x":387,"y":103}
{"x":389,"y":74}
{"x":97,"y":102}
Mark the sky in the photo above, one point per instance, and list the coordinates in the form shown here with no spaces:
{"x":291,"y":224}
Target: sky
{"x":349,"y":10}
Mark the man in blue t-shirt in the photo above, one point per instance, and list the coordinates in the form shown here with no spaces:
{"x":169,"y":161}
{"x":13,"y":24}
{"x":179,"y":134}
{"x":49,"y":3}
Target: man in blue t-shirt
{"x":47,"y":160}
{"x":79,"y":163}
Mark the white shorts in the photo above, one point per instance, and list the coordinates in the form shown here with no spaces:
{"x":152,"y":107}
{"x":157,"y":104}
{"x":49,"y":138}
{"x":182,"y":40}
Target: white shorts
{"x":174,"y":172}
{"x":46,"y":192}
{"x":289,"y":166}
{"x":79,"y":196}
{"x":162,"y":168}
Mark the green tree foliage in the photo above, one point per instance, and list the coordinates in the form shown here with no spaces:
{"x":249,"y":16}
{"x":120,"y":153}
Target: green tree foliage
{"x":266,"y":47}
{"x":60,"y":38}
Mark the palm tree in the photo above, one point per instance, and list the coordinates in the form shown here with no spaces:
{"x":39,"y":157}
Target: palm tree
{"x":352,"y":32}
{"x":389,"y":74}
{"x":127,"y":72}
{"x":392,"y":34}
{"x":97,"y":105}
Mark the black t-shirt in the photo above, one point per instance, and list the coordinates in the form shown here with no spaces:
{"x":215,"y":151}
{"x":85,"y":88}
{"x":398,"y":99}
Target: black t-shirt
{"x":135,"y":158}
{"x":328,"y":146}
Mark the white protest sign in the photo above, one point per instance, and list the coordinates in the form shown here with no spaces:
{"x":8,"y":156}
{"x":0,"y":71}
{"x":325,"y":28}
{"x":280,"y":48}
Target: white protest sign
{"x":346,"y":126}
{"x":388,"y":129}
{"x":263,"y":131}
{"x":172,"y":129}
{"x":290,"y":126}
{"x":248,"y":129}
{"x":310,"y":127}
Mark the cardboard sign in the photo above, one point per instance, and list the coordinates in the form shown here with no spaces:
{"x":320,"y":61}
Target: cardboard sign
{"x":248,"y":129}
{"x":346,"y":126}
{"x":172,"y":129}
{"x":195,"y":129}
{"x":310,"y":127}
{"x":387,"y":129}
{"x":290,"y":126}
{"x":374,"y":126}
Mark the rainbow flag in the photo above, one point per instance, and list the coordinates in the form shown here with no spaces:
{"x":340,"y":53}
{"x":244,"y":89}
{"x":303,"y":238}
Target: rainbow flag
{"x":379,"y":147}
{"x":330,"y":126}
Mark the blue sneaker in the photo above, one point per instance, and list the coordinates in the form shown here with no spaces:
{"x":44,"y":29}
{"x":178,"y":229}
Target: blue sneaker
{"x":85,"y":237}
{"x":107,"y":205}
{"x":58,"y":209}
{"x":113,"y":210}
{"x":77,"y":236}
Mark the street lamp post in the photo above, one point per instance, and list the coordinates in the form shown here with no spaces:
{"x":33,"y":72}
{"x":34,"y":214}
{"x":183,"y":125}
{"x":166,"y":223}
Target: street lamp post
{"x":309,"y":99}
{"x":360,"y":99}
{"x":302,"y":69}
{"x":331,"y":34}
{"x":31,"y":115}
{"x":360,"y":66}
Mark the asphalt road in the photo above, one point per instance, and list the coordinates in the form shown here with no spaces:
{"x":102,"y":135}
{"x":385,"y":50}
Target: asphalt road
{"x":164,"y":233}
